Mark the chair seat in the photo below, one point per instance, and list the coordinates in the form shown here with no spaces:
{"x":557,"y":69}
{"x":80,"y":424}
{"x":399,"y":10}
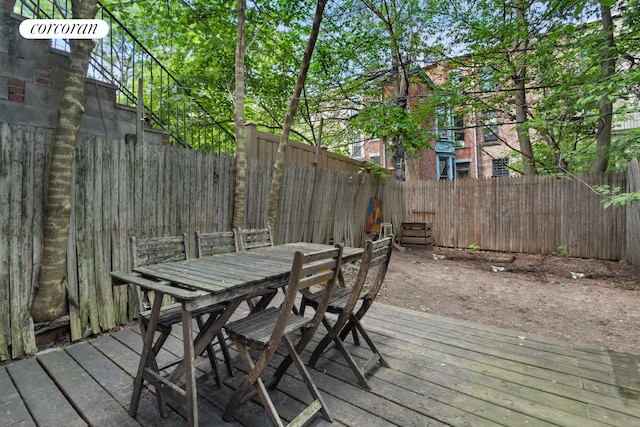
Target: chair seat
{"x":172,"y":314}
{"x":255,"y":330}
{"x":338,"y":300}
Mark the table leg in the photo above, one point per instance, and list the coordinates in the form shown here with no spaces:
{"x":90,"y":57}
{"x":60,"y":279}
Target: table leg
{"x":144,"y":356}
{"x":206,"y":336}
{"x":190,"y":369}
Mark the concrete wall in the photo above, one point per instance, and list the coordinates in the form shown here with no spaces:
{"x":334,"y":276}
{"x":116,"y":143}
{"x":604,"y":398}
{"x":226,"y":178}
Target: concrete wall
{"x":32,"y":76}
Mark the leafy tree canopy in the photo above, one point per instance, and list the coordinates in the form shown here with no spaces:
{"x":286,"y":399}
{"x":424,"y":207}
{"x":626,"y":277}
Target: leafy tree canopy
{"x":368,"y":47}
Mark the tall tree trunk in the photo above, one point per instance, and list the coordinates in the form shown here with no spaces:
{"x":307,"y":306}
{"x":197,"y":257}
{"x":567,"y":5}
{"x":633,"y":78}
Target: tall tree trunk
{"x":238,"y":121}
{"x":276,"y":183}
{"x":49,"y":303}
{"x":605,"y":111}
{"x":519,"y":77}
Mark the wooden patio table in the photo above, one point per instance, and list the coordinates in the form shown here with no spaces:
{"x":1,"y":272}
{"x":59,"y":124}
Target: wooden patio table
{"x":199,"y":282}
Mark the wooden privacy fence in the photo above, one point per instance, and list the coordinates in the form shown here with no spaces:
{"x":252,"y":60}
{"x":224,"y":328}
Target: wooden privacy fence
{"x":122,"y":189}
{"x":263,"y":147}
{"x":523,"y":214}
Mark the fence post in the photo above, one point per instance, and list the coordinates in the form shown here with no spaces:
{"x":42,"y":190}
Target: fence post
{"x":140,"y":113}
{"x":323,"y":162}
{"x":251,"y":140}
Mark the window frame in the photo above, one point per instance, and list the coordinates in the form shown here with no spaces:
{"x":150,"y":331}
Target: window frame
{"x":490,"y":135}
{"x":499,"y":167}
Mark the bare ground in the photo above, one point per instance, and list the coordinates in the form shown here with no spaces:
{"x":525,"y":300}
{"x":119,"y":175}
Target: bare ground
{"x":599,"y":305}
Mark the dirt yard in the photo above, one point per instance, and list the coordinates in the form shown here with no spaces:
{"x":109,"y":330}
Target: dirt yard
{"x":585,"y":301}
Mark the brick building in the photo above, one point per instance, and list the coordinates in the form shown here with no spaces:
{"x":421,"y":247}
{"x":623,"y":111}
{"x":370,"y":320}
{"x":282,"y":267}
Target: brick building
{"x":469,"y":146}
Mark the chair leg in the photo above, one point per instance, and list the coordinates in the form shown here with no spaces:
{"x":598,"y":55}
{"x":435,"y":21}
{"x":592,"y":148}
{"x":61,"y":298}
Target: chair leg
{"x":146,"y":357}
{"x":210,"y":353}
{"x":251,"y":380}
{"x":318,"y":400}
{"x":323,"y":344}
{"x":333,"y":336}
{"x":225,"y":353}
{"x":369,"y":342}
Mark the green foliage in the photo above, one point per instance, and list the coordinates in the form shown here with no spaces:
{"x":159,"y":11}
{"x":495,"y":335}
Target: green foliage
{"x":376,"y":170}
{"x":393,"y":123}
{"x":562,"y":251}
{"x":612,"y":196}
{"x":474,"y":247}
{"x":352,"y":80}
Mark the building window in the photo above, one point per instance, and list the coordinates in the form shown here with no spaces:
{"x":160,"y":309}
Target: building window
{"x":375,"y":158}
{"x":357,"y":151}
{"x":463,"y":167}
{"x":458,"y":130}
{"x":399,"y":162}
{"x":445,"y":167}
{"x":499,"y":167}
{"x":490,"y":127}
{"x":488,"y":80}
{"x":444,"y":124}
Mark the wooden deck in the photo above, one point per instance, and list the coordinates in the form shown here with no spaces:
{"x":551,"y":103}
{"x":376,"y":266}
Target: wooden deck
{"x":444,"y":372}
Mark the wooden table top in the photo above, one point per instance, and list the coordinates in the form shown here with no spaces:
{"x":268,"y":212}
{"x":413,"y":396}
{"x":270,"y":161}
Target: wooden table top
{"x":237,"y":271}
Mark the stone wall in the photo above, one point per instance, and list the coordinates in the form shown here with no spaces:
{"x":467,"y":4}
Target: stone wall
{"x":32,"y":77}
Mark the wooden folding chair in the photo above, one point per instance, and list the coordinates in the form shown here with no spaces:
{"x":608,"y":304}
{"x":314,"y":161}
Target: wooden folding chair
{"x":218,"y":242}
{"x":254,"y":238}
{"x":263,"y":331}
{"x":166,"y":249}
{"x":343,"y":301}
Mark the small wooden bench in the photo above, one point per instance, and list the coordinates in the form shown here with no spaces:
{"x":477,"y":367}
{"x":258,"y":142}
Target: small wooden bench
{"x":416,"y":235}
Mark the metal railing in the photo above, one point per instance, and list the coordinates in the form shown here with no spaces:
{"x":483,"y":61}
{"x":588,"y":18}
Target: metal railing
{"x":120,"y":59}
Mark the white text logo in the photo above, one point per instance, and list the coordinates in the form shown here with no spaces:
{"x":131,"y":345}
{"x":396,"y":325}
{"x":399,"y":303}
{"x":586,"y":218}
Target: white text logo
{"x":64,"y":29}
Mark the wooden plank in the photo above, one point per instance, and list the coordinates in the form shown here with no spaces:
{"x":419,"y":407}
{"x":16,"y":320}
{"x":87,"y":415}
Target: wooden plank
{"x":5,"y":228}
{"x":22,"y":335}
{"x":111,"y":378}
{"x":118,"y":235}
{"x":26,"y":247}
{"x":92,"y":402}
{"x":416,"y":232}
{"x":13,"y":411}
{"x":124,"y":278}
{"x":417,"y":241}
{"x":127,"y":360}
{"x":102,"y":235}
{"x":93,"y":211}
{"x":81,"y":208}
{"x":77,"y":323}
{"x":417,"y":225}
{"x":46,"y":403}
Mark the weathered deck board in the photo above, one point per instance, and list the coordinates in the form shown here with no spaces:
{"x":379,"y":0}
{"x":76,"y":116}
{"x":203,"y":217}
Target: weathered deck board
{"x":443,"y":372}
{"x":46,"y":403}
{"x":90,"y":398}
{"x":13,"y":410}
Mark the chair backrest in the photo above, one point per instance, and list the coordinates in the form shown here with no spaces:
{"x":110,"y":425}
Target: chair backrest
{"x":215,"y":243}
{"x":158,"y":249}
{"x":252,"y":238}
{"x":309,"y":269}
{"x":358,"y":285}
{"x":380,"y":256}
